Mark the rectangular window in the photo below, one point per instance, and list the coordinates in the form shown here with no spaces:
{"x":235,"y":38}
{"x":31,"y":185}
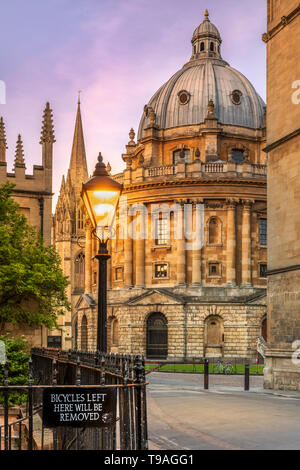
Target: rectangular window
{"x":263,"y":232}
{"x":161,"y":231}
{"x":214,"y":269}
{"x":161,"y":271}
{"x":119,"y":274}
{"x":262,"y":270}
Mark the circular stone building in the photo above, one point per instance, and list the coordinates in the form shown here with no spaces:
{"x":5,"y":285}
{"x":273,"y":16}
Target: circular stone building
{"x":187,"y":276}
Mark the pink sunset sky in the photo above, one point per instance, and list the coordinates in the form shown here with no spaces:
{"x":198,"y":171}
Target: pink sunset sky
{"x":118,"y":52}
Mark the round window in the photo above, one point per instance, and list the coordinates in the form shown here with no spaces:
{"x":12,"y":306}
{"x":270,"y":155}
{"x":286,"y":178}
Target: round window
{"x":184,"y":97}
{"x":236,"y":96}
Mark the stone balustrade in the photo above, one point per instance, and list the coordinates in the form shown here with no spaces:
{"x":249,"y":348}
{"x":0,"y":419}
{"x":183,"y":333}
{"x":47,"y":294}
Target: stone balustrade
{"x":196,"y":169}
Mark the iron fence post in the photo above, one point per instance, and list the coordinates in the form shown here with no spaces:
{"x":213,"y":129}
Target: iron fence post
{"x":206,"y":374}
{"x":145,"y":422}
{"x":6,"y":443}
{"x":247,"y":377}
{"x":30,"y":407}
{"x":138,"y":368}
{"x":54,"y":382}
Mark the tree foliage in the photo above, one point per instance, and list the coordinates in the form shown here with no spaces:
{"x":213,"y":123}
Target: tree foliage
{"x":32,"y":284}
{"x":17,"y":355}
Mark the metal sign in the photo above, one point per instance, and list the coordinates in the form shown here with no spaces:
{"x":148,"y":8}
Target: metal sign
{"x":79,"y":407}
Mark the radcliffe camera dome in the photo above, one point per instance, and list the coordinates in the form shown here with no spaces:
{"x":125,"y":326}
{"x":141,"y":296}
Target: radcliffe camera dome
{"x":183,"y":100}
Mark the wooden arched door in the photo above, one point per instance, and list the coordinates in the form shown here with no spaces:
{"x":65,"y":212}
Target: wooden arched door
{"x":157,"y":336}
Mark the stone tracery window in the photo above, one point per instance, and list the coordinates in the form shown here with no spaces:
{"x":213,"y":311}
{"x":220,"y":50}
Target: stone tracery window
{"x":80,"y":220}
{"x":79,"y":271}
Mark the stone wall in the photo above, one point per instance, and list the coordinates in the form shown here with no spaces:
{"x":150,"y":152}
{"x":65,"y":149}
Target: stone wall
{"x":283,"y":146}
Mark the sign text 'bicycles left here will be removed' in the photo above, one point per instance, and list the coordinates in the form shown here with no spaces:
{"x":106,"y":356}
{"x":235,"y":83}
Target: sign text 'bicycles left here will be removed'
{"x":79,"y":407}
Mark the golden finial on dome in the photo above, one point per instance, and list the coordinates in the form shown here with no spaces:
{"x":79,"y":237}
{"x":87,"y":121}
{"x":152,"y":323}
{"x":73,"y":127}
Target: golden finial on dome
{"x":206,"y":14}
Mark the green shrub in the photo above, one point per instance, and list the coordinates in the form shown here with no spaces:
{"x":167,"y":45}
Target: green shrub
{"x":17,"y":354}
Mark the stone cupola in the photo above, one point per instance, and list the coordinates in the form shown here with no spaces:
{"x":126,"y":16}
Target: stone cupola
{"x":206,"y":40}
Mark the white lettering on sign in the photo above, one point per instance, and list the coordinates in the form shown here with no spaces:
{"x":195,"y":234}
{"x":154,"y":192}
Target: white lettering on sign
{"x":296,"y":94}
{"x":88,"y":407}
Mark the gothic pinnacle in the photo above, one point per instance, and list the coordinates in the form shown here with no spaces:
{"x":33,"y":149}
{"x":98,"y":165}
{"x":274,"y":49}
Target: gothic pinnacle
{"x":2,"y":132}
{"x":47,"y":134}
{"x":3,"y":143}
{"x":19,"y":155}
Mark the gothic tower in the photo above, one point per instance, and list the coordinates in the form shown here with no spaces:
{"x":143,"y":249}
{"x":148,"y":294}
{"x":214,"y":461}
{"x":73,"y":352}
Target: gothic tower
{"x":68,"y":225}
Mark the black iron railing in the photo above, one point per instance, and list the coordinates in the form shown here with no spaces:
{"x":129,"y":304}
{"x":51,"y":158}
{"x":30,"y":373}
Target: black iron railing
{"x":50,"y":367}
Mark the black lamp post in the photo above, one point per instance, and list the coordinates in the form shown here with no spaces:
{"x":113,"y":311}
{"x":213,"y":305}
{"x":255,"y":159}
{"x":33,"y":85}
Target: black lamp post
{"x":100,"y":196}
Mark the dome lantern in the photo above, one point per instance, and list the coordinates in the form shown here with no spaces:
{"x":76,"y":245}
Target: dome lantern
{"x":206,"y":40}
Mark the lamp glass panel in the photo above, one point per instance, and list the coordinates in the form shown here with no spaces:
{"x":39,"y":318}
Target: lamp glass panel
{"x":103,"y":205}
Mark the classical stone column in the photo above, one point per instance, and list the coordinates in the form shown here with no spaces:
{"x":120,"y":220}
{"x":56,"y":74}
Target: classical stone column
{"x":246,"y":243}
{"x":140,"y":249}
{"x":198,"y":243}
{"x":88,"y":258}
{"x":180,"y":244}
{"x":231,"y":242}
{"x":128,"y":254}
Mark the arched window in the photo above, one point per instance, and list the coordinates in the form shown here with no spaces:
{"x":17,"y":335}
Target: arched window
{"x":84,"y":334}
{"x":79,"y":220}
{"x":238,"y":155}
{"x":214,"y":231}
{"x":212,"y":47}
{"x":157,"y":336}
{"x":79,"y":271}
{"x":177,"y":156}
{"x":202,"y":46}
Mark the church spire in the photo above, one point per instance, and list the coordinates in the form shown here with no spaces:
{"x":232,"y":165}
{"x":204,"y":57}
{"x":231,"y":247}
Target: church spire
{"x":3,"y":143}
{"x":19,"y":155}
{"x":78,"y":165}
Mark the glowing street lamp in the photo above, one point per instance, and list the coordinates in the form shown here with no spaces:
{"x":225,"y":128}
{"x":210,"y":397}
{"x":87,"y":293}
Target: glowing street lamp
{"x":101,"y":196}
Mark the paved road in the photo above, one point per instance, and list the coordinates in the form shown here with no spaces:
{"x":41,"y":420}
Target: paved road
{"x":182,"y":416}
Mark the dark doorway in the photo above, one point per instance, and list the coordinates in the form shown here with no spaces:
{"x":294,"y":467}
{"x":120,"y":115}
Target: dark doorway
{"x":84,"y":334}
{"x":157,"y":336}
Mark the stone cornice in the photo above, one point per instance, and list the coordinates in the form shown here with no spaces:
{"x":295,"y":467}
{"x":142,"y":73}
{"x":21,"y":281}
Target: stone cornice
{"x":285,"y":20}
{"x":186,"y":182}
{"x":281,"y":141}
{"x":286,"y":269}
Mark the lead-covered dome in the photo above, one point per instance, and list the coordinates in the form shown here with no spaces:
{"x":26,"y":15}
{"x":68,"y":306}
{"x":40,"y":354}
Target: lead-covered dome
{"x":183,"y":100}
